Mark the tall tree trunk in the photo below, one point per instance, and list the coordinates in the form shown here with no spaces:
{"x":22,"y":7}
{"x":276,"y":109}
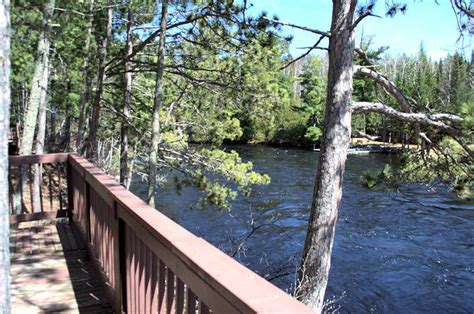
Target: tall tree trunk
{"x":124,"y":169}
{"x":4,"y":127}
{"x":336,"y":137}
{"x":52,"y":129}
{"x":39,"y":147}
{"x":155,"y":135}
{"x":39,"y":83}
{"x":94,"y":119}
{"x":66,"y":139}
{"x":38,"y":91}
{"x":86,"y":84}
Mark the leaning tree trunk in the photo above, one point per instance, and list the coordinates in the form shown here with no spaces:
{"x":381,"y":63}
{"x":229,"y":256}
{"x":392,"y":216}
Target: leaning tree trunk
{"x":4,"y":127}
{"x":94,"y":119}
{"x":86,"y":84}
{"x":336,"y":136}
{"x":155,"y":135}
{"x":39,"y":83}
{"x":124,"y":169}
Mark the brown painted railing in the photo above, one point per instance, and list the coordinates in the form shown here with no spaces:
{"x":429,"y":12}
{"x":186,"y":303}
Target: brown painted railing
{"x":150,"y":263}
{"x":48,"y":174}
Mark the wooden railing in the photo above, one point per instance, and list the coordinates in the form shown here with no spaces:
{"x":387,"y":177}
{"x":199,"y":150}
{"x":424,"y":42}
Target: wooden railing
{"x":150,"y":263}
{"x":43,"y":175}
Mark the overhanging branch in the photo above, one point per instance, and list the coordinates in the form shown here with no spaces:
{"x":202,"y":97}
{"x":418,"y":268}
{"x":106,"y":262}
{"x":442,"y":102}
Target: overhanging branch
{"x":421,"y":118}
{"x":304,"y":28}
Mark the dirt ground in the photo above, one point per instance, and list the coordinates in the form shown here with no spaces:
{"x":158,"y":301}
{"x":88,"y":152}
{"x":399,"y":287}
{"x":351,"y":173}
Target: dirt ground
{"x":355,"y":141}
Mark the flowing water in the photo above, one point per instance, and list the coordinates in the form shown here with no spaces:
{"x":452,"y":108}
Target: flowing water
{"x":405,"y":250}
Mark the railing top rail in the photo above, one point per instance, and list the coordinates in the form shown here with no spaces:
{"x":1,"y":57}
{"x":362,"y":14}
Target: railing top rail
{"x":236,"y":283}
{"x":37,"y":159}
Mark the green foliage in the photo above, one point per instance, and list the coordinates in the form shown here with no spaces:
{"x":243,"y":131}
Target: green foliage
{"x":450,"y":167}
{"x":313,"y":133}
{"x":371,"y":179}
{"x":267,"y":97}
{"x":313,"y":99}
{"x":224,"y":83}
{"x":229,"y":166}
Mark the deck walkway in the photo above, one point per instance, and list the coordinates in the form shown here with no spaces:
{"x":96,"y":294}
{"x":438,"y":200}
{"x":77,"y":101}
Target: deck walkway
{"x":51,"y":271}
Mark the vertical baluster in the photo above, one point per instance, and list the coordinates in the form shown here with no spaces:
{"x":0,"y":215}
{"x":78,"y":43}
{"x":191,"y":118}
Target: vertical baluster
{"x":30,"y":178}
{"x":70,"y":190}
{"x":10,"y":187}
{"x":171,"y":302}
{"x":136,"y":274}
{"x":133,"y":290}
{"x":148,"y":295}
{"x":40,"y":175}
{"x":191,"y":302}
{"x":60,"y":187}
{"x":120,"y":263}
{"x":154,"y":284}
{"x":162,"y":288}
{"x":128,"y":254}
{"x":141,"y":278}
{"x":20,"y":182}
{"x":50,"y":190}
{"x":179,"y":296}
{"x":203,"y":308}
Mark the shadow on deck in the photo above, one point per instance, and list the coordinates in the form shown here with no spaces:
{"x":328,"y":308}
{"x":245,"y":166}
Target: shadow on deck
{"x":51,"y":271}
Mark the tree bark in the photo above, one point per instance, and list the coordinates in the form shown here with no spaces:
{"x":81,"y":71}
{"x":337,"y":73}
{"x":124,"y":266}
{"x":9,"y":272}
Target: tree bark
{"x":66,"y":138}
{"x":94,"y":119}
{"x":124,"y":169}
{"x":155,"y":137}
{"x":39,"y":147}
{"x":4,"y":128}
{"x":434,"y":120}
{"x":52,"y":129}
{"x":314,"y":272}
{"x":86,"y":84}
{"x":39,"y":83}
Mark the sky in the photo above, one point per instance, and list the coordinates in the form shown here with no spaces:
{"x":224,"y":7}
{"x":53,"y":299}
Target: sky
{"x":425,"y":21}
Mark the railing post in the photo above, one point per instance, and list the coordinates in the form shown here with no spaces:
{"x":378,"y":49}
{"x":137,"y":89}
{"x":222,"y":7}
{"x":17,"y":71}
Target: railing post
{"x":119,"y":264}
{"x":70,"y":191}
{"x":87,"y":194}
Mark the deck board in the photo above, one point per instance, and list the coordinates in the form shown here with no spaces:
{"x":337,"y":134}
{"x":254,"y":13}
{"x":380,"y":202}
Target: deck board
{"x":51,"y":272}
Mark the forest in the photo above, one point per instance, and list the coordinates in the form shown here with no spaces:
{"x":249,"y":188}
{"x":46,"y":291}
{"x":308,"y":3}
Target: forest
{"x":226,"y":78}
{"x":146,"y":88}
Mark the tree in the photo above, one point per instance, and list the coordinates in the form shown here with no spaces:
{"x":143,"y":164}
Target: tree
{"x":335,"y":142}
{"x":313,"y":97}
{"x":91,"y":149}
{"x":4,"y":128}
{"x":155,"y":133}
{"x":316,"y":260}
{"x":39,"y":83}
{"x":86,"y":89}
{"x":125,"y":172}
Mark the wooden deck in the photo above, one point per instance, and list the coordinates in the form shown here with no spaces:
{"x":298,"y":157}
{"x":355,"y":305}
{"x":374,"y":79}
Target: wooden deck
{"x":51,"y":271}
{"x":147,"y":262}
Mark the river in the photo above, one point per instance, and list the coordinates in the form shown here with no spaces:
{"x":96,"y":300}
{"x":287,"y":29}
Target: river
{"x":405,"y":250}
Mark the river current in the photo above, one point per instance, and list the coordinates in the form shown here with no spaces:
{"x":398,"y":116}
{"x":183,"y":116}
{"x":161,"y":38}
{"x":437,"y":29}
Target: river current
{"x":405,"y":250}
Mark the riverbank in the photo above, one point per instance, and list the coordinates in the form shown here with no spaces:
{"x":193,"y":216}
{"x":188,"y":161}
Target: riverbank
{"x":358,"y":145}
{"x":361,"y":145}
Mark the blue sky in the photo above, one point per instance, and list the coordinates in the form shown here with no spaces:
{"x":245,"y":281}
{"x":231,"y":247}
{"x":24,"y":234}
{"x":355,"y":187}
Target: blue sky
{"x":425,"y":21}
